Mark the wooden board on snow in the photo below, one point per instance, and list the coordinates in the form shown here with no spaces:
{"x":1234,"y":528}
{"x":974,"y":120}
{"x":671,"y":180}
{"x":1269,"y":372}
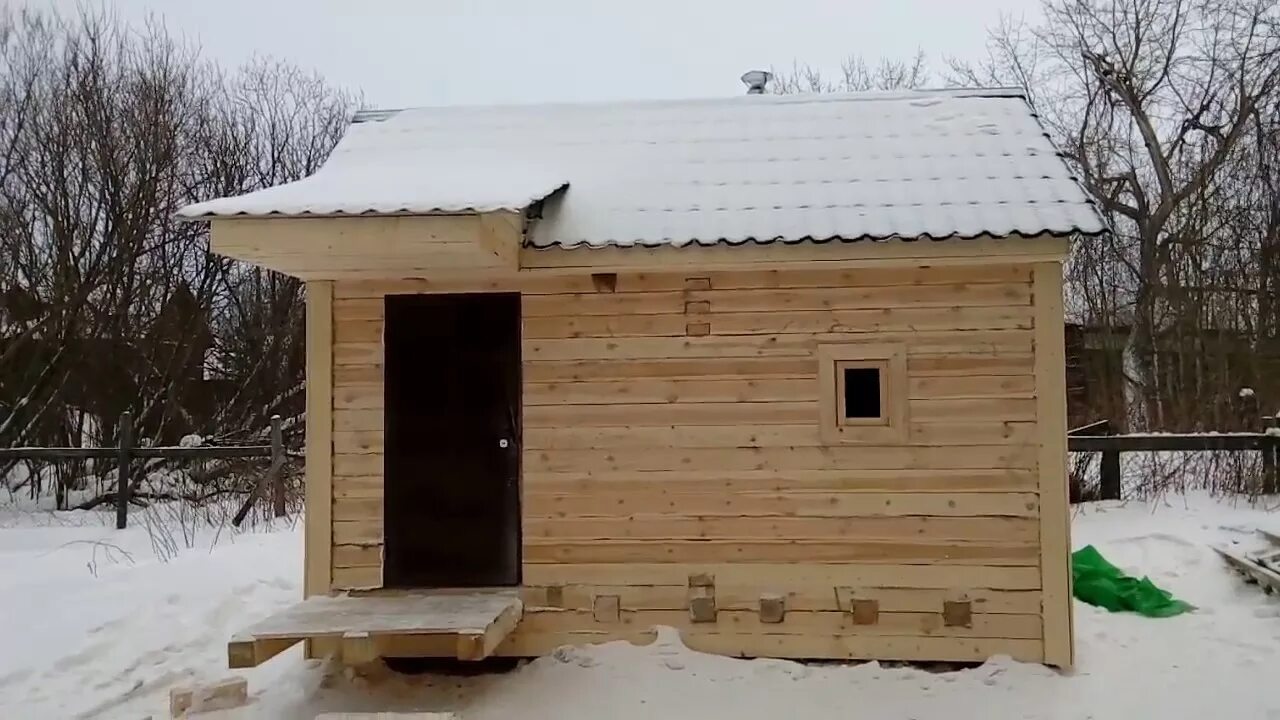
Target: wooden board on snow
{"x":1253,"y":569}
{"x":467,"y":624}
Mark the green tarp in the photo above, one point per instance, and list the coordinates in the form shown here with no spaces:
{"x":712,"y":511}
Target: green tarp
{"x":1100,"y":583}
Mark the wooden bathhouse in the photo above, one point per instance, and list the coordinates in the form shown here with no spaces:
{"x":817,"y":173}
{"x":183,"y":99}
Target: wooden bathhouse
{"x":784,"y":373}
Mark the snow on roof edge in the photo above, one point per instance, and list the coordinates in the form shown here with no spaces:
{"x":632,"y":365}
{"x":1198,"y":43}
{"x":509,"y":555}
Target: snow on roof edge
{"x":196,"y":211}
{"x":741,"y":241}
{"x":380,"y":114}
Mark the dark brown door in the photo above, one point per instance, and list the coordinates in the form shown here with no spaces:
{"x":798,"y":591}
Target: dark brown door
{"x":452,"y":394}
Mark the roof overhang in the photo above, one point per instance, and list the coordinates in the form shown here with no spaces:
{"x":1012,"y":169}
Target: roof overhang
{"x":399,"y":193}
{"x":329,"y":247}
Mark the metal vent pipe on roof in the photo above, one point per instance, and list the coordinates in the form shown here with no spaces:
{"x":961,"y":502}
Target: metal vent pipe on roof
{"x":755,"y":80}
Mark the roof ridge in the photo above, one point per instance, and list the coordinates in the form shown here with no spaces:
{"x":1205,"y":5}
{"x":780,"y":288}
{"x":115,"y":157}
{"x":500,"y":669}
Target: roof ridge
{"x":379,"y":114}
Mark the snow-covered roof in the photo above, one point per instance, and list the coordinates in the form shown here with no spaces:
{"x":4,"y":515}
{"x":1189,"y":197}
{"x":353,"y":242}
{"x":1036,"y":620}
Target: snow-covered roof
{"x":747,"y":168}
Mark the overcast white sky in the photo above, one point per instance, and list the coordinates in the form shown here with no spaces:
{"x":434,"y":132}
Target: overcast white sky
{"x":433,"y":52}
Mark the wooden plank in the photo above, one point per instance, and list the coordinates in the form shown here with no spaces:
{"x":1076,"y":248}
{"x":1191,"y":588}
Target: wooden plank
{"x":864,"y":322}
{"x":357,"y":556}
{"x":992,"y":342}
{"x":721,"y":527}
{"x":361,"y":353}
{"x":354,"y":442}
{"x":319,"y":441}
{"x":945,"y":296}
{"x":624,"y":322}
{"x":817,"y":276}
{"x":365,"y":308}
{"x":1252,"y":569}
{"x":364,"y":577}
{"x":246,"y":652}
{"x":358,"y":375}
{"x":983,"y":480}
{"x":358,"y":331}
{"x":348,"y":420}
{"x":341,"y":235}
{"x":960,"y":365}
{"x":833,"y":647}
{"x":784,"y":575}
{"x":671,"y":391}
{"x":799,"y":595}
{"x":769,"y":551}
{"x":610,"y":304}
{"x":325,"y":248}
{"x":362,"y":464}
{"x":694,"y":368}
{"x":578,"y":282}
{"x":972,"y":386}
{"x":619,"y":415}
{"x":729,"y":436}
{"x":500,"y":234}
{"x":357,"y":532}
{"x":1051,"y":410}
{"x":665,"y":498}
{"x":797,"y":622}
{"x":359,"y":508}
{"x":861,"y":646}
{"x":974,"y":409}
{"x":357,"y":648}
{"x":358,"y":397}
{"x":670,"y":436}
{"x":478,"y":646}
{"x":975,"y":433}
{"x":457,"y":282}
{"x":358,"y":486}
{"x":421,"y":612}
{"x":752,"y":458}
{"x":778,"y":412}
{"x":785,"y":256}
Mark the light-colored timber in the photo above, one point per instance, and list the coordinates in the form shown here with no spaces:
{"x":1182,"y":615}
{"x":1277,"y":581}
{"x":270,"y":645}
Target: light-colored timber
{"x":674,"y":420}
{"x":1051,"y":409}
{"x":472,"y":623}
{"x":319,"y":459}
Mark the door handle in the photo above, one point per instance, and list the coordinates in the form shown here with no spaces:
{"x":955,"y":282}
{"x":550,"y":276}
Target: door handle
{"x":504,"y":443}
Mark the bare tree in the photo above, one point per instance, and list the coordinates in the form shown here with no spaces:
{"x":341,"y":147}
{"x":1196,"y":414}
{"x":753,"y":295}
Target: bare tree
{"x":856,"y":75}
{"x":108,"y":304}
{"x":1154,"y":103}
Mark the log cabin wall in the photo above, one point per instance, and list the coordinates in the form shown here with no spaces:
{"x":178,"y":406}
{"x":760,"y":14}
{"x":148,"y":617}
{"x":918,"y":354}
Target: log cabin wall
{"x":672,"y":452}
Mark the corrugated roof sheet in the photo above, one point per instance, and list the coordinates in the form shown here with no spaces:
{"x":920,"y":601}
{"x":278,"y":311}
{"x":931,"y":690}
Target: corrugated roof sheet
{"x":750,"y":168}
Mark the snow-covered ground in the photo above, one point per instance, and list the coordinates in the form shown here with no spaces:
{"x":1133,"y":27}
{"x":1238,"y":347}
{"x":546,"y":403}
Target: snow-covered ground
{"x":95,"y":623}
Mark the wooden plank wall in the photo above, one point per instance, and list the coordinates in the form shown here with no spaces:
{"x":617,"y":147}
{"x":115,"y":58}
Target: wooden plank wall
{"x":670,"y":428}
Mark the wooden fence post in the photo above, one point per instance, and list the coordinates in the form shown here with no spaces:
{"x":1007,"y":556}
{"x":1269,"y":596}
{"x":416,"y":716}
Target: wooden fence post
{"x":1270,"y":457}
{"x":277,"y":464}
{"x":1109,"y":485}
{"x":125,"y":444}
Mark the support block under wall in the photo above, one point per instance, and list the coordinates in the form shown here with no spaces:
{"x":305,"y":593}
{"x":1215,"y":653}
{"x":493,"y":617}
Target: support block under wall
{"x":225,"y":694}
{"x":606,"y":608}
{"x":773,"y":608}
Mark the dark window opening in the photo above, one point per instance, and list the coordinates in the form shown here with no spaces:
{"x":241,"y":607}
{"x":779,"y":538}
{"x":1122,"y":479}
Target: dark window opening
{"x":861,"y":393}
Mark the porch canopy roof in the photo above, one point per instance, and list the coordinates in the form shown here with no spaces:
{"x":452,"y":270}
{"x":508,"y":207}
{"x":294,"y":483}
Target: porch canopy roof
{"x":755,"y":168}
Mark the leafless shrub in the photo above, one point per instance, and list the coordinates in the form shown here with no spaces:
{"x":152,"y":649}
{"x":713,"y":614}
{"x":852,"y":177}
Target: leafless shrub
{"x":107,"y":304}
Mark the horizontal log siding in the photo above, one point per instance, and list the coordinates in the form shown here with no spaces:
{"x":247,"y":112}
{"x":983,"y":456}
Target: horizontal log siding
{"x":357,"y":443}
{"x":671,"y":428}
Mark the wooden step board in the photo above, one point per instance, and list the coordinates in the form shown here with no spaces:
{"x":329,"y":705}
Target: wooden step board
{"x":466,"y":624}
{"x":1262,"y":567}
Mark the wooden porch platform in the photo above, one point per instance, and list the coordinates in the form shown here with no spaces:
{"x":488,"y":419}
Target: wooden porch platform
{"x":466,"y":624}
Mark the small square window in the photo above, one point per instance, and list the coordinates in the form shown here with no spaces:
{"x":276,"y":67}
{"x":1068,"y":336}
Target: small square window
{"x":863,"y":393}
